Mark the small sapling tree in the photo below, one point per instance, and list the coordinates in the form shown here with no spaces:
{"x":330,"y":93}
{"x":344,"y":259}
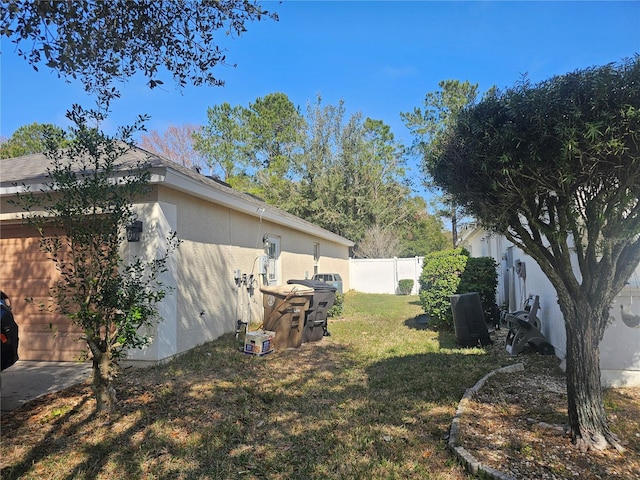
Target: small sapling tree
{"x":81,"y":215}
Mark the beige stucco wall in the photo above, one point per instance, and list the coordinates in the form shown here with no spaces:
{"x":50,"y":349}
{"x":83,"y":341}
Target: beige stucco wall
{"x":297,"y":249}
{"x":222,"y":232}
{"x":159,"y":220}
{"x":217,"y":241}
{"x":619,"y":349}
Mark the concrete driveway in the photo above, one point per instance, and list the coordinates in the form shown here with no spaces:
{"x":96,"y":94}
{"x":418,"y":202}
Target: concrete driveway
{"x":27,"y":380}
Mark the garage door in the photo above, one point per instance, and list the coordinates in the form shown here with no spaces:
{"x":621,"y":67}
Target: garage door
{"x":28,"y":273}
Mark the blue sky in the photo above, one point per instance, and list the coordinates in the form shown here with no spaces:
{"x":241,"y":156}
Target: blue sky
{"x":381,"y":58}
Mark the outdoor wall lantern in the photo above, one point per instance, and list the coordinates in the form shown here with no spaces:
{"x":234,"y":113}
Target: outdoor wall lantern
{"x":134,"y":230}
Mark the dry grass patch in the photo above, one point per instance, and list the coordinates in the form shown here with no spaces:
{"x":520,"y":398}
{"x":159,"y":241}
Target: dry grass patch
{"x":368,"y":401}
{"x":374,"y":400}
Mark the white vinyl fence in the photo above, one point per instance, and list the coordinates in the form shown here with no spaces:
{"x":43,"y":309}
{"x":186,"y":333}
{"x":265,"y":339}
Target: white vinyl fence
{"x":381,"y":275}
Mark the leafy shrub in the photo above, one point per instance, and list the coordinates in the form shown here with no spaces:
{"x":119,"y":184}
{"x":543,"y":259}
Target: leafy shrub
{"x":336,"y":310}
{"x":405,"y":286}
{"x":480,"y":276}
{"x":453,"y":272}
{"x":439,"y":280}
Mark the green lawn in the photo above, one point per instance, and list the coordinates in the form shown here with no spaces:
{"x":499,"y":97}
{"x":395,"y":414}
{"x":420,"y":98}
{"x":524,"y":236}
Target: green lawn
{"x":374,"y":400}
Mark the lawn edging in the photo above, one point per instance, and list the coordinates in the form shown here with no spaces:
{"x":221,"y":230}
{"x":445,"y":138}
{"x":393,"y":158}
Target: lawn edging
{"x":469,"y":461}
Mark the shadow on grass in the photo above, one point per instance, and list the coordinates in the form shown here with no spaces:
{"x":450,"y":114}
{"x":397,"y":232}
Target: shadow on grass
{"x":419,"y":322}
{"x":66,"y":421}
{"x":321,"y":411}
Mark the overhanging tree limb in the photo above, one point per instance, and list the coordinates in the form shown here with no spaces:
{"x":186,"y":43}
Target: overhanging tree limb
{"x":102,"y":41}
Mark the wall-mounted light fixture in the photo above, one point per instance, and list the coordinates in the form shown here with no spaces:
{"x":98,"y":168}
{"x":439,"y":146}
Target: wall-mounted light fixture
{"x":134,"y":230}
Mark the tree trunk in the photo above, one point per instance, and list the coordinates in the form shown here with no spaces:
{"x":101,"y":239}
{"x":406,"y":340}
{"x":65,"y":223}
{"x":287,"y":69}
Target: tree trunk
{"x":102,"y":380}
{"x":587,"y":416}
{"x":454,"y":227}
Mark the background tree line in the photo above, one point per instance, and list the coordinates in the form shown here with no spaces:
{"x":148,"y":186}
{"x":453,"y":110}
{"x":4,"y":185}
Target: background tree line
{"x":345,"y":173}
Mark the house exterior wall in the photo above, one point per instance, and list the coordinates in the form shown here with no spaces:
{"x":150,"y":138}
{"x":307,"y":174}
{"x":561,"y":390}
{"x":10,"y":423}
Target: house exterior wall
{"x":222,"y":233}
{"x":620,"y":346}
{"x":298,"y":257}
{"x":159,"y":220}
{"x":216,"y":242}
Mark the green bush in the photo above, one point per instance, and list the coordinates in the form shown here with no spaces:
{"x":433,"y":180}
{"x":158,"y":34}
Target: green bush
{"x":439,"y":280}
{"x":480,"y":276}
{"x":336,"y":310}
{"x":405,"y":286}
{"x":451,"y":272}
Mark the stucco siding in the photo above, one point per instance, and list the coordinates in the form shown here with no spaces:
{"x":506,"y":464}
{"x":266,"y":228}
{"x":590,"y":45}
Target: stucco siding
{"x":298,"y":257}
{"x":217,"y":242}
{"x":223,"y":235}
{"x":620,"y":346}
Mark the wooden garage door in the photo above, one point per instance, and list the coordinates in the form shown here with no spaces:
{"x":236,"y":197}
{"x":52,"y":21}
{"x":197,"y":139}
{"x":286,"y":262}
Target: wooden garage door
{"x":28,"y":273}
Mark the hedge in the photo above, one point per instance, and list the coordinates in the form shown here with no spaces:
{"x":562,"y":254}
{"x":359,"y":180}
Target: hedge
{"x":451,"y":272}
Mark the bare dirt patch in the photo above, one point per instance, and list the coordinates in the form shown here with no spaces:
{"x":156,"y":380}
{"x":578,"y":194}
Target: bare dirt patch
{"x":517,"y":424}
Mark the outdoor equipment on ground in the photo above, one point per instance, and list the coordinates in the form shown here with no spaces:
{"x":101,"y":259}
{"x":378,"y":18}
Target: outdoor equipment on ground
{"x":525,"y":329}
{"x":284,"y":312}
{"x":468,"y":320}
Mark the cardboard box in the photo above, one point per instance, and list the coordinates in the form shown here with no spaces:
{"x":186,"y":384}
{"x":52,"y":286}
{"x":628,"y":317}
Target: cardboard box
{"x":259,"y":342}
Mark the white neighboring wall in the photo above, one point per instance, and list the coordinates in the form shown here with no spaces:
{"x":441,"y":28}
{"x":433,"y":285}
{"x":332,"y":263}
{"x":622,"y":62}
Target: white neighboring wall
{"x":620,"y":347}
{"x":381,"y":275}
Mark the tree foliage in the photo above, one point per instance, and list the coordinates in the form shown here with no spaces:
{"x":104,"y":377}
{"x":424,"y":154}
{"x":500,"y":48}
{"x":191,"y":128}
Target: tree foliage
{"x":254,"y":148}
{"x":343,"y":173}
{"x":480,"y":275}
{"x":378,"y":242}
{"x":99,"y":42}
{"x":439,"y":280}
{"x":34,"y":138}
{"x":81,"y":216}
{"x":275,"y":129}
{"x":351,"y":174}
{"x":222,"y":142}
{"x":429,"y":125}
{"x":175,"y":144}
{"x":423,"y":233}
{"x":555,"y":167}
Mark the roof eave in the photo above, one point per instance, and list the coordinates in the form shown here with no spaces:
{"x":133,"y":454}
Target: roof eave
{"x":244,"y":204}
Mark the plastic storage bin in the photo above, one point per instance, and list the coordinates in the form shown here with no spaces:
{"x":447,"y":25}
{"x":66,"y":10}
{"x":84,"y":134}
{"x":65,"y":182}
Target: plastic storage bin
{"x":316,"y":317}
{"x":284,"y":313}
